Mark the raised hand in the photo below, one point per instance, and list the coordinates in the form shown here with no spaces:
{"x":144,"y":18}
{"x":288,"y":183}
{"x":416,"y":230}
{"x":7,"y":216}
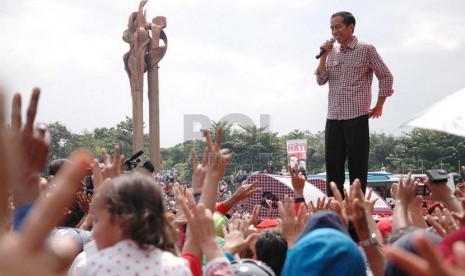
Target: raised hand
{"x":297,"y":180}
{"x":336,"y":194}
{"x":355,"y":192}
{"x":360,"y":221}
{"x":97,"y":177}
{"x":218,"y":159}
{"x":23,"y":253}
{"x":180,"y":192}
{"x":290,"y":225}
{"x":198,"y":172}
{"x":235,"y":240}
{"x":338,"y":205}
{"x":253,"y":218}
{"x":406,"y":192}
{"x":201,"y":227}
{"x":364,"y":224}
{"x":245,"y":191}
{"x":368,"y":203}
{"x":180,"y":195}
{"x":112,"y":167}
{"x":443,"y":224}
{"x":23,"y":154}
{"x":415,"y":208}
{"x":321,"y":205}
{"x":84,"y":199}
{"x":394,"y":189}
{"x":30,"y":150}
{"x":442,"y":192}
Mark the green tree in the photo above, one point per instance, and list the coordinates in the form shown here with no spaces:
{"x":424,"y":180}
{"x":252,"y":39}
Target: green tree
{"x":316,"y":152}
{"x":381,"y":146}
{"x":427,"y":145}
{"x":253,"y":148}
{"x":62,"y":139}
{"x":123,"y":136}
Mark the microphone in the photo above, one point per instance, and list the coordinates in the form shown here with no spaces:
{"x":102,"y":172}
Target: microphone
{"x":148,"y":165}
{"x":322,"y":50}
{"x":135,"y":156}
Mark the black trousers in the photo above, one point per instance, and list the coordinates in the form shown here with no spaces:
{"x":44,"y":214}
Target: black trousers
{"x":347,"y":139}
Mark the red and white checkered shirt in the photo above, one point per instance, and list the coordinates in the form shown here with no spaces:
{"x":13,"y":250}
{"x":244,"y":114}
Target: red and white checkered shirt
{"x":349,"y":72}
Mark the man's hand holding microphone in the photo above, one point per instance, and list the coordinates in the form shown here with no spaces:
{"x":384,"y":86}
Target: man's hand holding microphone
{"x":325,"y":49}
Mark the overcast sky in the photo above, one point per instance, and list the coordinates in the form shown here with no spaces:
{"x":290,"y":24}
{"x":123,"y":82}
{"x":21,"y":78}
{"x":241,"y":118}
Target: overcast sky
{"x":237,"y":56}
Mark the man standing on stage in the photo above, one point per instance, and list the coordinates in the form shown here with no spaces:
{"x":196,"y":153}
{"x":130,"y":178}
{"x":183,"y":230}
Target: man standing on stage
{"x":349,"y":71}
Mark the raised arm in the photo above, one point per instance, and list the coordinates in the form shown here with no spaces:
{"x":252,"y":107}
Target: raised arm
{"x":31,"y":148}
{"x":243,"y":192}
{"x":321,"y":72}
{"x":441,"y":192}
{"x":23,"y":252}
{"x":374,"y":251}
{"x":406,"y":193}
{"x":217,"y":162}
{"x":215,"y":166}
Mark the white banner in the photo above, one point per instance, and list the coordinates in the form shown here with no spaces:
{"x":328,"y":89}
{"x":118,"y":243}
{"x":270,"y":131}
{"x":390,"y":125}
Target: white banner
{"x":297,"y":153}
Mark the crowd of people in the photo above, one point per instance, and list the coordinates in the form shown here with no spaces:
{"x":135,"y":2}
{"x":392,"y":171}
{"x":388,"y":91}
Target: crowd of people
{"x":126,"y":228}
{"x":167,"y":179}
{"x":87,"y":217}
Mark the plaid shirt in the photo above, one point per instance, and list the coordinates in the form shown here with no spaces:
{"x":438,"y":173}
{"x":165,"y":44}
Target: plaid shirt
{"x":272,"y":191}
{"x":349,"y":72}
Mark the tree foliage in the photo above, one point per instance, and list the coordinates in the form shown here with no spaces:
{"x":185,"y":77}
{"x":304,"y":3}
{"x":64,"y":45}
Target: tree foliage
{"x":253,"y":147}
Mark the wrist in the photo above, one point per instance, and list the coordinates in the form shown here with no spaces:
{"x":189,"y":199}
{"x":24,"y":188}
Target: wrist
{"x":368,"y":211}
{"x":211,"y":179}
{"x":371,"y":240}
{"x":196,"y":190}
{"x":209,"y":243}
{"x":228,"y":250}
{"x":401,"y":202}
{"x":298,"y":194}
{"x":212,"y":252}
{"x":229,"y":203}
{"x":299,"y":199}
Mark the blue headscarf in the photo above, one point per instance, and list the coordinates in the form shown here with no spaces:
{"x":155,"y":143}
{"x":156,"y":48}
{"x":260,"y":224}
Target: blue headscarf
{"x":324,"y":251}
{"x":323,"y":219}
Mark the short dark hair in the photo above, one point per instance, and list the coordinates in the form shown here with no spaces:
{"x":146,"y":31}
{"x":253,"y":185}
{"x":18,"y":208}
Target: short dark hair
{"x":347,"y":17}
{"x":271,"y":248}
{"x":55,"y":166}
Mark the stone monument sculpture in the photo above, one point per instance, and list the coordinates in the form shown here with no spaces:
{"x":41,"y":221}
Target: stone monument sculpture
{"x":145,"y":52}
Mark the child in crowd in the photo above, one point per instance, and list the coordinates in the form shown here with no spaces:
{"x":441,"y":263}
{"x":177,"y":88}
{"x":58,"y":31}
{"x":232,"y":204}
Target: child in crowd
{"x":131,"y":232}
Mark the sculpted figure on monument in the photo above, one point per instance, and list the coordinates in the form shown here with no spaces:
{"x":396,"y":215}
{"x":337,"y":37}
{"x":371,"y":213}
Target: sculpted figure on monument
{"x":134,"y":63}
{"x":138,"y":38}
{"x":144,"y":53}
{"x":157,"y":52}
